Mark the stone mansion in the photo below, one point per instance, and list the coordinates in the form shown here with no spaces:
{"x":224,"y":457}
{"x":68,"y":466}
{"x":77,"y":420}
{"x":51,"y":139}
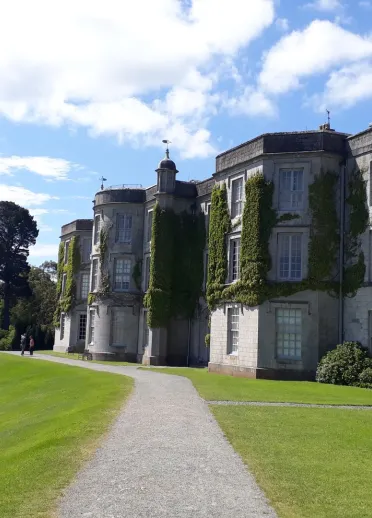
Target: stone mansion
{"x":283,"y":274}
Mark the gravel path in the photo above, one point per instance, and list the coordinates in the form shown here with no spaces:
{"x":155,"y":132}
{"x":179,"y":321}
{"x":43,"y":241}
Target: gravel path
{"x":298,"y":405}
{"x":165,"y":456}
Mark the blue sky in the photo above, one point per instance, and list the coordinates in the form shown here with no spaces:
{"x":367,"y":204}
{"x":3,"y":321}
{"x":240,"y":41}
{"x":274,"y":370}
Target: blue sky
{"x":92,"y":88}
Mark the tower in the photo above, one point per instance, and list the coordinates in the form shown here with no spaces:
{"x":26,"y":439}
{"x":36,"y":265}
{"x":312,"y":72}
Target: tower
{"x":166,"y":173}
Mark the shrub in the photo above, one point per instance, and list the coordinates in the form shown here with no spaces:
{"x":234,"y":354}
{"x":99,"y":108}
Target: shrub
{"x":207,"y":340}
{"x":6,"y":339}
{"x":343,"y":365}
{"x":365,"y":377}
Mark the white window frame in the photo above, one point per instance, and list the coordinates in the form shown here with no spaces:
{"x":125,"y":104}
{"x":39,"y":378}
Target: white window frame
{"x":94,"y":286}
{"x":64,"y":280}
{"x":288,"y":333}
{"x":125,"y":274}
{"x":281,"y":244}
{"x":124,"y":226}
{"x":84,"y":276}
{"x":150,"y":215}
{"x":67,"y":246}
{"x":235,"y":244}
{"x":92,"y":317}
{"x":237,"y":197}
{"x":233,"y":315}
{"x":117,"y":330}
{"x":295,"y":197}
{"x":62,"y":326}
{"x":86,"y":250}
{"x":97,"y":228}
{"x":146,"y":280}
{"x":80,"y":328}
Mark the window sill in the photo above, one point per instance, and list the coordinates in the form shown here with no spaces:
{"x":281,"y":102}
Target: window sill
{"x":289,"y":360}
{"x":233,"y":355}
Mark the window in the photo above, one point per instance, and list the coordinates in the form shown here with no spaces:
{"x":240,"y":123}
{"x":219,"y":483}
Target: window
{"x":207,"y":217}
{"x":235,"y":259}
{"x":64,"y":278}
{"x":162,"y":181}
{"x":149,"y":225}
{"x":291,"y":189}
{"x":87,"y":249}
{"x":124,"y":228}
{"x":97,"y":228}
{"x":95,"y":274}
{"x":92,"y":316}
{"x":288,"y":333}
{"x":290,"y":256}
{"x":236,"y":197}
{"x":122,"y":270}
{"x":146,"y":331}
{"x":233,"y":330}
{"x":117,"y":328}
{"x":84,"y":287}
{"x":67,"y":244}
{"x":62,"y":328}
{"x":147,"y":272}
{"x":82,"y":327}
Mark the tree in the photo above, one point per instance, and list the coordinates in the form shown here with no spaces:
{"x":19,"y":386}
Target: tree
{"x":18,"y":230}
{"x":50,"y":267}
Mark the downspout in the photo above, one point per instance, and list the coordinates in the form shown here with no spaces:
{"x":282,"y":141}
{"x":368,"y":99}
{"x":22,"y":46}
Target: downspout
{"x":341,"y":260}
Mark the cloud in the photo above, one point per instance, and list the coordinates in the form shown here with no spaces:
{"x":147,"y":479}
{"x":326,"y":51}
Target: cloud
{"x":282,"y":24}
{"x":365,"y":4}
{"x":51,"y":168}
{"x":318,"y":48}
{"x":325,"y":5}
{"x":252,"y":103}
{"x":138,"y":77}
{"x":48,"y":251}
{"x":345,"y":87}
{"x":23,"y":197}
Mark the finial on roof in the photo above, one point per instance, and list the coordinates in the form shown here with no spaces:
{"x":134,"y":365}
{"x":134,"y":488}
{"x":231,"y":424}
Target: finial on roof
{"x":102,"y":180}
{"x":329,"y":118}
{"x":165,"y":141}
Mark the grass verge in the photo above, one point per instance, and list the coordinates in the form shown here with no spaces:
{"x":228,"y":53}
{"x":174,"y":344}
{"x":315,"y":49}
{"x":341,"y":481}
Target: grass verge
{"x":74,"y":356}
{"x":310,"y":462}
{"x":218,"y":387}
{"x":51,"y":417}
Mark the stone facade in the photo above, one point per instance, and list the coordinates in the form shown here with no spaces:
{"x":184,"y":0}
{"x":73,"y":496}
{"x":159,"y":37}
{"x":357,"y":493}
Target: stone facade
{"x":244,"y":341}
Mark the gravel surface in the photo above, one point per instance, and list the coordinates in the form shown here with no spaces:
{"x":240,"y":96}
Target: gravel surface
{"x":165,"y":456}
{"x":298,"y":405}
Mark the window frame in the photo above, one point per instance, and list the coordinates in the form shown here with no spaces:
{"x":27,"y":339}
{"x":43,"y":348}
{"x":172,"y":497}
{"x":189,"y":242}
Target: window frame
{"x":97,"y":228}
{"x":92,"y":313}
{"x":94,"y":284}
{"x":62,"y":326}
{"x":67,"y":246}
{"x":234,"y":242}
{"x":86,"y":252}
{"x":237,"y":203}
{"x":80,"y":327}
{"x":117,"y":316}
{"x":279,"y":355}
{"x":82,"y":277}
{"x":121,"y":231}
{"x":145,"y":330}
{"x":285,"y":206}
{"x":147,"y":270}
{"x":150,"y":215}
{"x":64,"y":280}
{"x":122,"y":274}
{"x":280,"y":244}
{"x":232,"y":347}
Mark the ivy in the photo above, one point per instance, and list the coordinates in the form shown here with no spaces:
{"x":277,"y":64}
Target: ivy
{"x":219,"y":226}
{"x":92,"y":297}
{"x":102,"y":248}
{"x":176,"y":267}
{"x":137,"y":274}
{"x":67,"y":299}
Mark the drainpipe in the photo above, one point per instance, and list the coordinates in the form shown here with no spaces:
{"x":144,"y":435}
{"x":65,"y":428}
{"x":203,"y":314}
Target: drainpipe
{"x":188,"y":344}
{"x":342,"y":235}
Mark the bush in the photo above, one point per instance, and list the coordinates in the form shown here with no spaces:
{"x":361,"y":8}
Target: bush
{"x":365,"y":377}
{"x":6,"y":339}
{"x":343,"y":365}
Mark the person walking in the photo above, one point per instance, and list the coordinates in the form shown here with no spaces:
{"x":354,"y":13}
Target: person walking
{"x":32,"y":345}
{"x":23,"y":343}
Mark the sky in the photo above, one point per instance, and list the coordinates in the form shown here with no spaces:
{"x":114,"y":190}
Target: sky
{"x":91,"y":88}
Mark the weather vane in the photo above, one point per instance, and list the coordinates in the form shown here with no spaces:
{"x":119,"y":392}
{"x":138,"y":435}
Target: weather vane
{"x":102,"y":180}
{"x":329,"y":118}
{"x":165,"y":141}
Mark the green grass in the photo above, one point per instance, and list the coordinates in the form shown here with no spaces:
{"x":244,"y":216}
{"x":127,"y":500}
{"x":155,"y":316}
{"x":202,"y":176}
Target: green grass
{"x":310,"y":462}
{"x":74,"y":356}
{"x":217,"y":387}
{"x":51,"y":417}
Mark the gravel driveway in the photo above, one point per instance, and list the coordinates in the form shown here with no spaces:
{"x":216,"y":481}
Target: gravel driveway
{"x":165,"y":456}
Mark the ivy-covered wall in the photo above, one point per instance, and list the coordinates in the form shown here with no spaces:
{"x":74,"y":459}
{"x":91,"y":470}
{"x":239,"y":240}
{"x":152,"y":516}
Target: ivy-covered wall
{"x":176,"y":267}
{"x":67,"y":300}
{"x":258,"y":221}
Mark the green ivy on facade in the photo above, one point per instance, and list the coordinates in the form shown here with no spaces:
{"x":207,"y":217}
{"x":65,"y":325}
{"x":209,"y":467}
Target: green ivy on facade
{"x":66,"y":301}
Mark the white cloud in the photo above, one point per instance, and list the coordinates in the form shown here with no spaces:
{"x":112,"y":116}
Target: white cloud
{"x":23,"y":197}
{"x":365,"y":4}
{"x":252,"y":103}
{"x":325,"y":5}
{"x":52,"y":168}
{"x":48,"y":251}
{"x":282,"y":24}
{"x":345,"y":87}
{"x":118,"y":57}
{"x":318,"y":48}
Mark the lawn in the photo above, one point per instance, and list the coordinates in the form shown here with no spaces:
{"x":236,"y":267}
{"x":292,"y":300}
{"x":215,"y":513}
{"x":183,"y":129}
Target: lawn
{"x":74,"y":356}
{"x":218,"y":387}
{"x":310,"y":462}
{"x":51,"y":419}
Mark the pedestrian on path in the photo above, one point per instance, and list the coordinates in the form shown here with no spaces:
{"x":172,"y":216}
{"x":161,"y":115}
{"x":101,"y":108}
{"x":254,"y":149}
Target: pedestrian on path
{"x":23,"y":343}
{"x":32,"y":345}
